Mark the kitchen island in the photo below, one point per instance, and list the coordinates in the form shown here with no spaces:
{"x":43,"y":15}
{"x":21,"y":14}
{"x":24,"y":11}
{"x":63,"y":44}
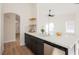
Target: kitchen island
{"x":34,"y":41}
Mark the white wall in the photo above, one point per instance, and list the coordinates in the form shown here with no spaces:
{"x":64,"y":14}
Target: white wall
{"x":1,"y":30}
{"x":9,"y":27}
{"x":77,"y":28}
{"x":63,"y":12}
{"x":33,"y":10}
{"x":77,"y":19}
{"x":23,"y":11}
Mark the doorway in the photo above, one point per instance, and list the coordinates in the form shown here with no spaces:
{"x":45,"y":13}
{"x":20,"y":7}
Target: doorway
{"x":17,"y":29}
{"x":12,"y":36}
{"x":12,"y":28}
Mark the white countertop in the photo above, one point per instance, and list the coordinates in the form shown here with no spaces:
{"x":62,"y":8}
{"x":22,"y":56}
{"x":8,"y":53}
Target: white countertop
{"x":67,"y":41}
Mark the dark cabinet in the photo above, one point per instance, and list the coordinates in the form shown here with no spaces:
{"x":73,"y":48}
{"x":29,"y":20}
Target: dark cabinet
{"x":34,"y":44}
{"x":27,"y":40}
{"x":39,"y":46}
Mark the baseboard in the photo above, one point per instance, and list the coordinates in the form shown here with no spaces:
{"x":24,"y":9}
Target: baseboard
{"x":22,"y":44}
{"x":9,"y":41}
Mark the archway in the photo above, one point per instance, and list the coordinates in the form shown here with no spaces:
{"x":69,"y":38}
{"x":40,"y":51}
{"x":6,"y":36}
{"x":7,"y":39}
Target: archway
{"x":11,"y":28}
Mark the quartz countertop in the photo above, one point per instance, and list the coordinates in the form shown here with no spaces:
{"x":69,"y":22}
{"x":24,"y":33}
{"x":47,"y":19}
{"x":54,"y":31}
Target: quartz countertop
{"x":66,"y":41}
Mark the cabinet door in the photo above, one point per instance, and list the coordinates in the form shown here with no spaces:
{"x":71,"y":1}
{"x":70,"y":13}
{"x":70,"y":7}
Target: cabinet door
{"x":33,"y":45}
{"x":27,"y":40}
{"x":39,"y":47}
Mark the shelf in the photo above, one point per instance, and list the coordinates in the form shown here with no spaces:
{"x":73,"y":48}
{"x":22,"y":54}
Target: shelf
{"x":32,"y":25}
{"x":32,"y":19}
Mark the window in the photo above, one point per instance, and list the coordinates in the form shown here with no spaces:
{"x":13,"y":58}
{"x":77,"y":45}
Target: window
{"x":70,"y":26}
{"x":49,"y":28}
{"x":46,"y":28}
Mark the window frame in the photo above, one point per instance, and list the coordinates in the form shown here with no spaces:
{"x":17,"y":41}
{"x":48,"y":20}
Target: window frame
{"x":68,"y":25}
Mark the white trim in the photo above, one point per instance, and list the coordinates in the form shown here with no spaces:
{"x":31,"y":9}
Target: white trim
{"x":9,"y":41}
{"x":22,"y":44}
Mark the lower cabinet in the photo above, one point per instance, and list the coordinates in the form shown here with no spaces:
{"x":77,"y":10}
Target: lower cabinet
{"x":35,"y":44}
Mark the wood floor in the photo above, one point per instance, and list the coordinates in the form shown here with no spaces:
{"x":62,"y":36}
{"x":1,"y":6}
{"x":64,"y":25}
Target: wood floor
{"x":14,"y":48}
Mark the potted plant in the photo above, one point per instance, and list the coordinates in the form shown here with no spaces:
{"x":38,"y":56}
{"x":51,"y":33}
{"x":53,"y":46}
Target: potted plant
{"x":42,"y":30}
